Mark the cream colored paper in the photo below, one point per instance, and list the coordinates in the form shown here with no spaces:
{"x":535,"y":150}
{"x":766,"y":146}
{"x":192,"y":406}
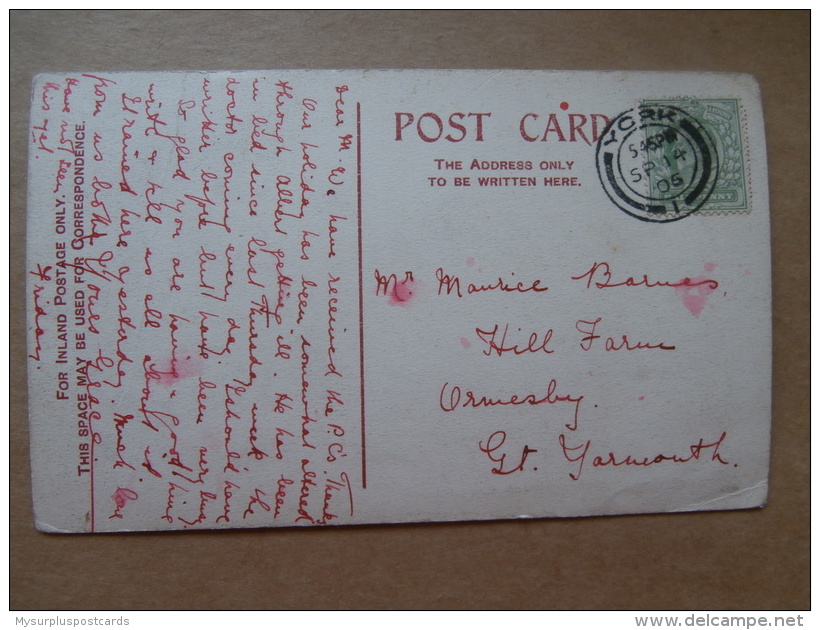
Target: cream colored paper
{"x":276,"y":298}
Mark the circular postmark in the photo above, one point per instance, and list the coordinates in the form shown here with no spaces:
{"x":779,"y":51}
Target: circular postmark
{"x":657,"y":163}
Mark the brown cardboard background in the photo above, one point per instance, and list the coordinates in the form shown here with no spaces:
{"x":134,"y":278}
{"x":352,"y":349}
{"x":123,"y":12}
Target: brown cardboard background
{"x":756,"y":559}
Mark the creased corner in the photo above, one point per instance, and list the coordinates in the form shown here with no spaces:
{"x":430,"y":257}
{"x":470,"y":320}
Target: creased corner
{"x":759,"y":489}
{"x":48,"y":528}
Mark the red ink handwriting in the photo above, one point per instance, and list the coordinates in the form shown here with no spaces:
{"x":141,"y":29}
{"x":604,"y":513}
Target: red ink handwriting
{"x":448,"y":284}
{"x":332,"y":309}
{"x":452,"y":397}
{"x":578,"y":454}
{"x":39,"y":314}
{"x":230,"y":125}
{"x":332,"y":229}
{"x":340,"y":90}
{"x":491,"y":447}
{"x":496,"y":340}
{"x":227,"y":494}
{"x":255,"y":451}
{"x":207,"y":125}
{"x":600,"y":276}
{"x":587,"y":328}
{"x":48,"y":87}
{"x":99,"y":92}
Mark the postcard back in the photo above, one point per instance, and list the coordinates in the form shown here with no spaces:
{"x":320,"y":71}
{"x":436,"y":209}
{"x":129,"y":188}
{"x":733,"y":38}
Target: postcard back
{"x":283,"y":298}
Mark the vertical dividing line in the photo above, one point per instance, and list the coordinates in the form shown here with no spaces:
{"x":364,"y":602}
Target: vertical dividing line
{"x":361,"y":286}
{"x":91,"y":454}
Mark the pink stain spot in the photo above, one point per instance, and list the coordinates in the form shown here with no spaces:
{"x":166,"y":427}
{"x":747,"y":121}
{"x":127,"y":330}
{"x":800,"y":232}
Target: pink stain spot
{"x":709,"y":267}
{"x":694,"y":297}
{"x":641,"y":397}
{"x":187,"y":367}
{"x":465,"y":342}
{"x":403,"y":293}
{"x":590,"y":373}
{"x":470,"y":261}
{"x":122,"y":496}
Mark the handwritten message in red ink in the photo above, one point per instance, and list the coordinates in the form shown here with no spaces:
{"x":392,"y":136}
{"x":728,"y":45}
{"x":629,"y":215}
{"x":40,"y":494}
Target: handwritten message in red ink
{"x":184,"y":320}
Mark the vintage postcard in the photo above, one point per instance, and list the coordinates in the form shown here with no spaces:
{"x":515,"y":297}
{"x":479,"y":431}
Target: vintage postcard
{"x":284,"y":298}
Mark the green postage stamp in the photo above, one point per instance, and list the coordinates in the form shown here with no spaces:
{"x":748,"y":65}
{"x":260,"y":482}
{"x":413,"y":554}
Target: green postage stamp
{"x":723,"y":119}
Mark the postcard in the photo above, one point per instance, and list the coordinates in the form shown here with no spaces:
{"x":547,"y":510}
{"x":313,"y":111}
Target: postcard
{"x":296,"y":297}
